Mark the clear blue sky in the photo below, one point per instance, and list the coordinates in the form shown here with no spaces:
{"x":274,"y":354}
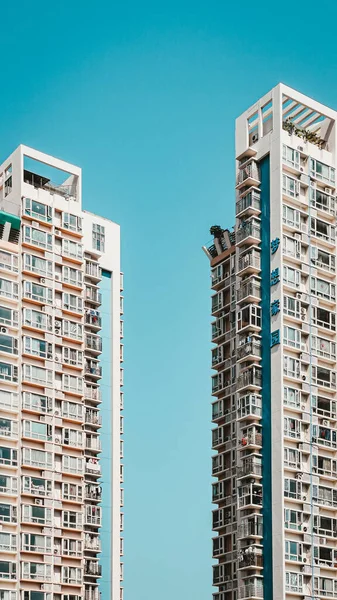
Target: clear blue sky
{"x":143,"y":96}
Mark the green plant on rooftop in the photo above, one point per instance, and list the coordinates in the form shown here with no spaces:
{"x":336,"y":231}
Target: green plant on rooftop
{"x":305,"y":134}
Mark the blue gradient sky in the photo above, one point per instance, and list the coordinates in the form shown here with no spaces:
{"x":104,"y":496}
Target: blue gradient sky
{"x":143,"y":96}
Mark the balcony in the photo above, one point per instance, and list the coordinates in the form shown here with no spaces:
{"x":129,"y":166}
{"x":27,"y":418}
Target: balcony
{"x":93,"y":319}
{"x":250,"y":407}
{"x":250,"y":496}
{"x":93,"y":492}
{"x":92,"y":393}
{"x":93,"y":443}
{"x":249,"y":232}
{"x":250,"y":350}
{"x":92,"y":417}
{"x":250,"y":378}
{"x":249,"y":204}
{"x":92,"y":369}
{"x":93,"y":343}
{"x":251,"y":438}
{"x":93,"y":271}
{"x":249,"y":263}
{"x":249,"y":558}
{"x":93,"y":296}
{"x":92,"y":467}
{"x":251,"y":591}
{"x":248,"y":176}
{"x":249,"y":291}
{"x":322,"y":201}
{"x":251,"y":467}
{"x":93,"y":569}
{"x":92,"y":543}
{"x":93,"y":516}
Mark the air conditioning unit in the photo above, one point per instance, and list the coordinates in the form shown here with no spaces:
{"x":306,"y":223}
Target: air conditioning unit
{"x":298,"y":295}
{"x":303,"y":310}
{"x":58,"y":232}
{"x":56,"y":413}
{"x":304,"y":377}
{"x":36,"y":224}
{"x":56,"y":358}
{"x":300,"y":148}
{"x":303,"y":407}
{"x":301,"y":169}
{"x":305,"y":559}
{"x":304,"y":498}
{"x":38,"y":501}
{"x":303,"y":347}
{"x":327,"y":190}
{"x":305,"y":529}
{"x":322,"y":541}
{"x":57,"y":440}
{"x":325,"y":423}
{"x":255,"y":138}
{"x":42,"y":280}
{"x":56,"y":551}
{"x":3,"y":330}
{"x":299,"y":475}
{"x":303,"y":317}
{"x":297,"y":236}
{"x":57,"y":277}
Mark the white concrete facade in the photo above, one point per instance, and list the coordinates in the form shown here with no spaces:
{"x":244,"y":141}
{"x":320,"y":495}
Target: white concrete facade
{"x":53,"y":257}
{"x":274,"y":305}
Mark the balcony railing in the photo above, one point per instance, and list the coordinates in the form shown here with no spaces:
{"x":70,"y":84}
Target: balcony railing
{"x":93,"y":343}
{"x":249,"y":260}
{"x":93,"y":318}
{"x":250,"y":468}
{"x":251,"y":288}
{"x":248,"y":230}
{"x":250,"y":201}
{"x":93,"y":568}
{"x":250,"y":377}
{"x":251,"y":591}
{"x":252,"y":348}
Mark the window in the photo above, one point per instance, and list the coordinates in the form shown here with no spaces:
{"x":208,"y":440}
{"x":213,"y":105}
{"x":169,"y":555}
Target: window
{"x":37,"y":347}
{"x":72,"y":464}
{"x":72,"y":383}
{"x":291,"y":337}
{"x":323,"y":259}
{"x":36,"y":514}
{"x":292,"y":458}
{"x":72,"y":437}
{"x":37,"y":319}
{"x":8,"y":344}
{"x":8,"y":261}
{"x":71,"y":575}
{"x":290,"y":186}
{"x":37,"y":292}
{"x":37,"y":402}
{"x":322,"y":171}
{"x":322,"y":201}
{"x":323,"y":377}
{"x":8,"y":316}
{"x":291,"y":157}
{"x":7,"y":570}
{"x":98,"y":237}
{"x":293,"y":519}
{"x":8,"y":513}
{"x":71,"y":222}
{"x":72,"y":302}
{"x":292,"y":397}
{"x":8,"y":372}
{"x":291,"y":247}
{"x":37,"y":430}
{"x":9,"y":400}
{"x":72,"y":249}
{"x":36,"y":571}
{"x":37,"y":237}
{"x":37,"y":374}
{"x":292,"y":427}
{"x":8,"y":456}
{"x":323,"y":230}
{"x":322,"y":288}
{"x":37,"y":458}
{"x":72,"y":519}
{"x":294,"y":582}
{"x":36,"y":543}
{"x":292,"y":307}
{"x":37,"y":486}
{"x":72,"y":276}
{"x":291,"y":216}
{"x":293,"y":550}
{"x":37,"y":265}
{"x":323,"y":347}
{"x":291,"y":367}
{"x":323,"y":318}
{"x":8,"y":543}
{"x":9,"y":289}
{"x":71,"y":491}
{"x":73,"y":330}
{"x":73,"y":410}
{"x":291,"y":276}
{"x":37,"y":210}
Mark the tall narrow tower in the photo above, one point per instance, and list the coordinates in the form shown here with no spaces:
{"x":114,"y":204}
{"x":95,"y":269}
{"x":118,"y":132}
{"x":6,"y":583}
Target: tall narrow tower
{"x":60,"y":378}
{"x":274,"y":329}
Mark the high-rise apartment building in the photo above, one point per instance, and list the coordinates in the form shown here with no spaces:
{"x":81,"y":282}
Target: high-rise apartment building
{"x":273,"y":284}
{"x":60,"y":387}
